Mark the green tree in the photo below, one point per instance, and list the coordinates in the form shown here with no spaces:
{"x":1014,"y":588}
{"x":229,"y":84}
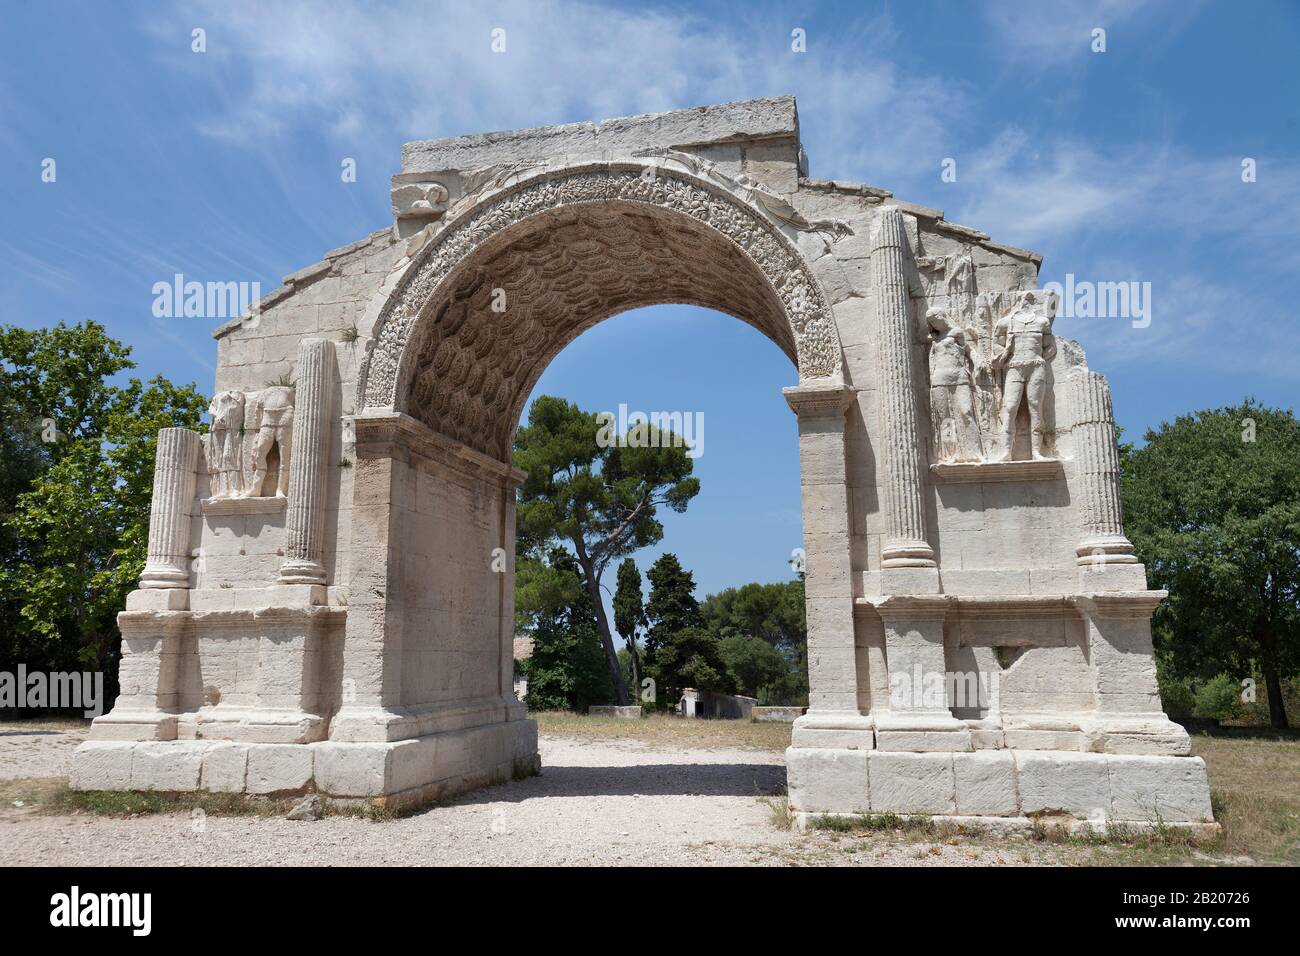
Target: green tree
{"x":690,"y":658}
{"x":672,"y":606}
{"x":680,"y":652}
{"x":75,"y":507}
{"x":600,"y":498}
{"x":567,"y":668}
{"x":629,"y":614}
{"x":753,"y":662}
{"x":1212,"y":503}
{"x":775,"y":614}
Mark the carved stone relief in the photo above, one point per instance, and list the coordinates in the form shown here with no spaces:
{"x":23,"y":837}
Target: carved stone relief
{"x":250,"y":442}
{"x":990,"y":355}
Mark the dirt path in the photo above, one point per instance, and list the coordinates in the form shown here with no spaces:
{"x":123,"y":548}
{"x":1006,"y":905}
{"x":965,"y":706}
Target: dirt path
{"x":596,"y":802}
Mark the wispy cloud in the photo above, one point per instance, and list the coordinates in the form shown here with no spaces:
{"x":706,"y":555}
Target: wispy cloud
{"x":365,"y":78}
{"x":1051,"y":35}
{"x":384,"y":74}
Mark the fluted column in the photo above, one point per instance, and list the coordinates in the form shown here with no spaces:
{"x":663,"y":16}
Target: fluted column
{"x":304,"y":531}
{"x":174,"y":472}
{"x":1097,"y":460}
{"x":905,"y":544}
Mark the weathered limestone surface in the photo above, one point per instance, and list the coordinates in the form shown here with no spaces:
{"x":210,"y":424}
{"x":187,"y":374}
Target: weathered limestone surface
{"x":175,"y":470}
{"x":304,"y":530}
{"x":326,"y":605}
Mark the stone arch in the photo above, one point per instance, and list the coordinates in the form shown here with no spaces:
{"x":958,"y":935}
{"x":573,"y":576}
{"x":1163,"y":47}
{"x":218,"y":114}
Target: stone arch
{"x":562,"y":251}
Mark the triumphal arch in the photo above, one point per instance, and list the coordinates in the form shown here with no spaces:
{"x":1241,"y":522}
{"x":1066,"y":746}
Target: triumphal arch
{"x":324,"y":606}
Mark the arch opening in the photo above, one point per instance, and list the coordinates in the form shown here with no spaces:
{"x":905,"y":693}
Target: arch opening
{"x":578,"y":245}
{"x":499,"y":322}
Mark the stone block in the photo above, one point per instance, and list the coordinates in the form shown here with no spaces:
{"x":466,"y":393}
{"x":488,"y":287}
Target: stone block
{"x":827,"y":781}
{"x":1158,"y":789}
{"x":786,"y":715}
{"x":912,"y":783}
{"x":167,"y":765}
{"x":1073,"y":783}
{"x":985,"y":783}
{"x":630,"y":712}
{"x":352,"y":769}
{"x":279,"y":768}
{"x":102,"y":765}
{"x":225,"y":767}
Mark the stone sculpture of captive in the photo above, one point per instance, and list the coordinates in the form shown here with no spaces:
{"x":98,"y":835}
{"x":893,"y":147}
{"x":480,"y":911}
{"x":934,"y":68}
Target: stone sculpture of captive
{"x":952,"y":391}
{"x":1023,"y":346}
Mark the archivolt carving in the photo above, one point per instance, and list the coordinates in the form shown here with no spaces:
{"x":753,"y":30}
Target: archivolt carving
{"x":806,"y":314}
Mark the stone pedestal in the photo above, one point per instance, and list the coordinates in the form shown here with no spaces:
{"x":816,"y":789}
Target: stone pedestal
{"x":917,"y":716}
{"x":1128,"y":718}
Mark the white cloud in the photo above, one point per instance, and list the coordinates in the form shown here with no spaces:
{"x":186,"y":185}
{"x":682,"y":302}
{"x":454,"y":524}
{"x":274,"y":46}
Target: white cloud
{"x":1050,"y":35}
{"x":380,"y":75}
{"x":368,"y":77}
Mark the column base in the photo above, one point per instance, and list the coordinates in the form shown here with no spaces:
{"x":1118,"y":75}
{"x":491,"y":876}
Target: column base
{"x":165,"y":576}
{"x":120,"y":724}
{"x":1136,"y":734}
{"x":302,"y":572}
{"x":907,"y":554}
{"x":922,"y":732}
{"x":843,"y":730}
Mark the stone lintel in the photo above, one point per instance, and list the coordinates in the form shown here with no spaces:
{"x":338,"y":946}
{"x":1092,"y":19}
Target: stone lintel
{"x":1132,"y":604}
{"x":244,"y":506}
{"x":967,"y":471}
{"x":761,"y":119}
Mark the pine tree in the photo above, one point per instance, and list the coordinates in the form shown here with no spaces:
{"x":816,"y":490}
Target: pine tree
{"x":629,"y":613}
{"x":567,"y":668}
{"x":672,"y":606}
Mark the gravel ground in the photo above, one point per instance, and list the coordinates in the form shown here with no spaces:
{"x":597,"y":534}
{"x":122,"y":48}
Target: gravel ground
{"x":38,"y":749}
{"x":597,"y":802}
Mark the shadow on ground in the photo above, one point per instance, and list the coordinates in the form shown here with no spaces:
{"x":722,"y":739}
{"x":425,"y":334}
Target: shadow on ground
{"x":646,"y":780}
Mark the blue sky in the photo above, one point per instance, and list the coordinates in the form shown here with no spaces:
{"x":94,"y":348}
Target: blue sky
{"x":1122,"y":165}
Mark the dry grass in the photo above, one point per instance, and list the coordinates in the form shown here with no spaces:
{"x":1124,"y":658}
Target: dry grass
{"x":1255,"y":784}
{"x":52,"y":795}
{"x":668,"y":731}
{"x":37,"y":724}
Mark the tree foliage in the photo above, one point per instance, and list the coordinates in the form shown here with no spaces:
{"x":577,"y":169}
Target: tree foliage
{"x":680,"y":652}
{"x":754,"y":663}
{"x":629,"y":616}
{"x":602,"y":502}
{"x":1212,"y":503}
{"x":567,"y":668}
{"x":76,"y":473}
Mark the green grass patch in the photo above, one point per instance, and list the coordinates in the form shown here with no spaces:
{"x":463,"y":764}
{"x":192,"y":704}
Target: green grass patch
{"x":130,"y":803}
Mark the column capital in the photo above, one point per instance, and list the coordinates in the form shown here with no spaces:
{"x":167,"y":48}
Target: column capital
{"x":818,"y":399}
